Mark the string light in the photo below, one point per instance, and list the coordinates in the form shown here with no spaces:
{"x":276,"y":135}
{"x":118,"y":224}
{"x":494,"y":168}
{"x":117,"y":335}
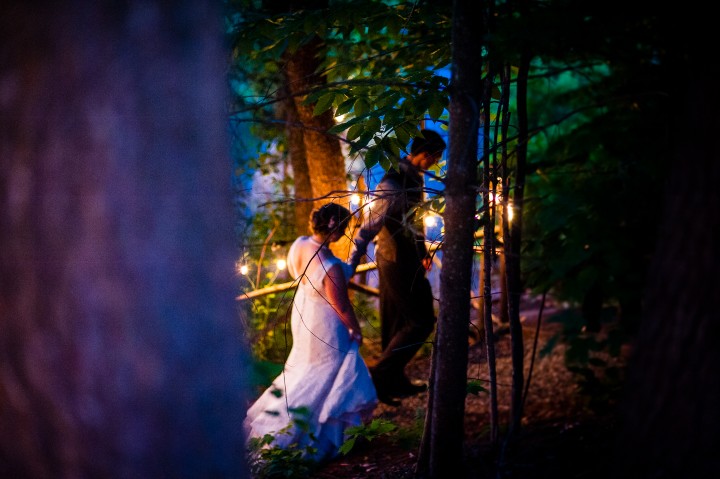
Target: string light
{"x":430,"y":221}
{"x":241,"y":267}
{"x":281,"y":264}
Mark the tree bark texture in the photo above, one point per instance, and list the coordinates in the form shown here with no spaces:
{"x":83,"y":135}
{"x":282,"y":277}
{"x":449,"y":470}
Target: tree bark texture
{"x":445,"y":424}
{"x":325,"y":161}
{"x":299,"y":163}
{"x":120,"y":353}
{"x":671,"y":418}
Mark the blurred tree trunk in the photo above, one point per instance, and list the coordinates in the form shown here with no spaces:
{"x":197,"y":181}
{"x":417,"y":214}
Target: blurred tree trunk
{"x":442,"y":444}
{"x":671,"y":407}
{"x":120,"y":353}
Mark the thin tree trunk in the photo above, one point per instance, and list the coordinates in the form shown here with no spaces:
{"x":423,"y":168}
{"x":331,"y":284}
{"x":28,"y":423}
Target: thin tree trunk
{"x":480,"y":323}
{"x":503,"y":310}
{"x":120,"y":352}
{"x":488,"y":213}
{"x":490,"y":338}
{"x":488,"y":253}
{"x":445,"y":424}
{"x":512,"y":253}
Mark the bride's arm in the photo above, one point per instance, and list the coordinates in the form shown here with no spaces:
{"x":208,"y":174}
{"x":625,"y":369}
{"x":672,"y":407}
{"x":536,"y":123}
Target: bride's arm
{"x":335,"y":285}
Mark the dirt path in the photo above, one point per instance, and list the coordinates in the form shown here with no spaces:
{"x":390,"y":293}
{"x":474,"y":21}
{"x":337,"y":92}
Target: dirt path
{"x":560,"y":435}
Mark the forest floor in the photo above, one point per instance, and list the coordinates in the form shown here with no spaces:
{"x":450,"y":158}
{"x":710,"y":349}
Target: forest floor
{"x":561,"y":435}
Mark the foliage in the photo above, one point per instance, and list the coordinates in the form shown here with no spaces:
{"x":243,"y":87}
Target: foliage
{"x":382,"y":81}
{"x":269,"y":315}
{"x":476,"y":387}
{"x":593,"y":358}
{"x":382,"y":68}
{"x":410,"y":436}
{"x":367,"y":432}
{"x":263,"y":373}
{"x":596,"y":102}
{"x":290,"y":462}
{"x":270,"y":327}
{"x":268,"y":461}
{"x":592,"y":196}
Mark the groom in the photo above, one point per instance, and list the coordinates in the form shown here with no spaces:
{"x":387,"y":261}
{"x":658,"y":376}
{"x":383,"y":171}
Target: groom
{"x":407,"y":312}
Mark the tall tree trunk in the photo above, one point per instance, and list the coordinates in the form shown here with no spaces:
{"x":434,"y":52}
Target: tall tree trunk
{"x":671,"y":419}
{"x":299,"y":163}
{"x":322,"y":154}
{"x":487,"y":214}
{"x":513,"y":243}
{"x":444,"y":428}
{"x":120,"y":352}
{"x":325,"y":161}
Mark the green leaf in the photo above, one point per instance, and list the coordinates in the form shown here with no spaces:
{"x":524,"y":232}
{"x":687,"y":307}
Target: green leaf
{"x":373,"y":156}
{"x":362,"y":107}
{"x":345,"y":106}
{"x":404,"y":134}
{"x":347,"y":446}
{"x":373,"y":124}
{"x":355,"y":131}
{"x":324,"y":103}
{"x":475,"y":387}
{"x":388,"y":98}
{"x":384,"y":161}
{"x":436,"y":109}
{"x":365,"y":138}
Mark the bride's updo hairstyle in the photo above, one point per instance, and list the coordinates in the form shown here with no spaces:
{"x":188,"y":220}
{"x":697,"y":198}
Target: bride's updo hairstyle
{"x":328,"y":218}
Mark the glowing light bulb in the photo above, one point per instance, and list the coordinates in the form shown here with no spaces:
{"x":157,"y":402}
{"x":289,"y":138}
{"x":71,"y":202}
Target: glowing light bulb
{"x":281,"y":264}
{"x":241,"y":267}
{"x":355,"y":199}
{"x":430,"y":221}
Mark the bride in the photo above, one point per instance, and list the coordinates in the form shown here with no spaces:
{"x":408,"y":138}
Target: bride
{"x":325,"y":386}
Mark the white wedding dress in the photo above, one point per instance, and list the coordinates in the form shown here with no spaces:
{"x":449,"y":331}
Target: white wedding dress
{"x":324,"y":374}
